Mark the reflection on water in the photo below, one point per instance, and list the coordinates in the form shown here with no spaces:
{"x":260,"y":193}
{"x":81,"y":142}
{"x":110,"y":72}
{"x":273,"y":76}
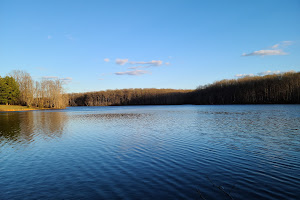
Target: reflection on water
{"x":151,"y":152}
{"x":23,"y":127}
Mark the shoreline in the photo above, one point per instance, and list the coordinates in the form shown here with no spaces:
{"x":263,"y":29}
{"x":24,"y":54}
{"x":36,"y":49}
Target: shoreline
{"x":17,"y":108}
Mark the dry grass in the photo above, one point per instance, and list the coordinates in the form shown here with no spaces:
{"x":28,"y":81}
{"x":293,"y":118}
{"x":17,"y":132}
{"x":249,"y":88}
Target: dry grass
{"x":4,"y":108}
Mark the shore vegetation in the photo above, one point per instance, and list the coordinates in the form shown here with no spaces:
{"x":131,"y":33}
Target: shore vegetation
{"x":20,"y":89}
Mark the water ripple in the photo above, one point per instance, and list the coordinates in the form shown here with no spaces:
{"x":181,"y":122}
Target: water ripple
{"x":151,"y":152}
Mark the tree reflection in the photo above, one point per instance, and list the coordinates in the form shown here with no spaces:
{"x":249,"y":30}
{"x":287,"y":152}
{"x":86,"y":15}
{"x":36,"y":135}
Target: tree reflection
{"x":30,"y":126}
{"x":10,"y":126}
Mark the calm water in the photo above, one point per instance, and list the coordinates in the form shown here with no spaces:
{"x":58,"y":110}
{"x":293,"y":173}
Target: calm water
{"x":152,"y":152}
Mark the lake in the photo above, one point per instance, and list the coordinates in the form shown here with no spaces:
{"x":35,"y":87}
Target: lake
{"x":152,"y":152}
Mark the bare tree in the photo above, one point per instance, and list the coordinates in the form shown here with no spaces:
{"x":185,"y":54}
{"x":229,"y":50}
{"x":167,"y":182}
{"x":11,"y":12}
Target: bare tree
{"x":26,"y":86}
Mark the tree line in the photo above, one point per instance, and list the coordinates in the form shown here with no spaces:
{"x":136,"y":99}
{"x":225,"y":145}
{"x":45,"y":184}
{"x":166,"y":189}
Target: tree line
{"x":129,"y":97}
{"x":20,"y":89}
{"x":270,"y":89}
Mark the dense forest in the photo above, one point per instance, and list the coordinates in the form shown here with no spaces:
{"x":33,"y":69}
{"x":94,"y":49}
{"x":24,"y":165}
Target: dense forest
{"x":130,"y":97}
{"x":20,"y":89}
{"x":270,"y":89}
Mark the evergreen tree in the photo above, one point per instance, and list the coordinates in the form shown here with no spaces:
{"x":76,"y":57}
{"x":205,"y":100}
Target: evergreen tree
{"x":13,"y":90}
{"x":3,"y":91}
{"x":9,"y":90}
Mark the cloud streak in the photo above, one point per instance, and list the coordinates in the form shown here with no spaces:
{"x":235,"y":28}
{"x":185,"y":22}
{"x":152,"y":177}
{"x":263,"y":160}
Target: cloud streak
{"x":282,"y":44}
{"x":121,"y":61}
{"x":133,"y":73}
{"x":243,"y":75}
{"x":67,"y":79}
{"x":137,"y":67}
{"x":267,"y":52}
{"x":269,"y":72}
{"x":151,"y":63}
{"x":64,"y":80}
{"x":275,"y":50}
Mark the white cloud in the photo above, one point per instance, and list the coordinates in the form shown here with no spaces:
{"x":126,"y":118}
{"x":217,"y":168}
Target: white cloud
{"x":133,"y":73}
{"x":167,"y":63}
{"x":266,"y":53}
{"x":150,"y":63}
{"x":100,"y":79}
{"x":106,"y":60}
{"x":121,"y":61}
{"x":268,"y":73}
{"x":49,"y":37}
{"x":243,"y":75}
{"x":276,"y":49}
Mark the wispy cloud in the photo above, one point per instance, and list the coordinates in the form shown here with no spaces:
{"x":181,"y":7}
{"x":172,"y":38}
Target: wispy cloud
{"x":243,"y":75}
{"x":275,"y":46}
{"x":133,"y":73}
{"x":106,"y":60}
{"x":151,"y":63}
{"x":147,"y":65}
{"x":266,"y":52}
{"x":137,"y":70}
{"x":269,"y":72}
{"x":276,"y":49}
{"x":282,"y":44}
{"x":64,"y":80}
{"x":49,"y":37}
{"x":137,"y":67}
{"x":121,"y":61}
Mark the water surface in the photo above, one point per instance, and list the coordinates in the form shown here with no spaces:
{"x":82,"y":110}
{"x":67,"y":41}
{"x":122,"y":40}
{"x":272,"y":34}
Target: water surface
{"x":151,"y":152}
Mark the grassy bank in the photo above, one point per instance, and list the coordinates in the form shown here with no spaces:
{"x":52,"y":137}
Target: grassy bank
{"x":4,"y":108}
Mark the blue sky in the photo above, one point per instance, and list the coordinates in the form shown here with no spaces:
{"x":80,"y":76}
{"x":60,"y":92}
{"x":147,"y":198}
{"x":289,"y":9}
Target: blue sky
{"x":99,"y":45}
